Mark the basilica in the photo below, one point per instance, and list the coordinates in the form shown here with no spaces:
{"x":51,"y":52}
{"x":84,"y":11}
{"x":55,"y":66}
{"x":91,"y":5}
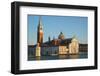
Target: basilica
{"x":55,"y":46}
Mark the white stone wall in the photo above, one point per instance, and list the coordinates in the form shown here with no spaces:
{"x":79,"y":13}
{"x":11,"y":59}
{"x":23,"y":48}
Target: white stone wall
{"x":74,"y":46}
{"x":63,"y":50}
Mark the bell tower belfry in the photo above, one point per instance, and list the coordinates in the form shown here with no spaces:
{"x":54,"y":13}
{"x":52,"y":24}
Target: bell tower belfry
{"x":40,"y":32}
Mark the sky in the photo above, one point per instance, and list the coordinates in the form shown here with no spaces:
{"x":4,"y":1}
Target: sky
{"x":53,"y":25}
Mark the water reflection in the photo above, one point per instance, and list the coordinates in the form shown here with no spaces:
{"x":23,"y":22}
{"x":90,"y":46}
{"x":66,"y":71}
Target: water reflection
{"x":74,"y":56}
{"x":54,"y":57}
{"x":38,"y":58}
{"x":63,"y":56}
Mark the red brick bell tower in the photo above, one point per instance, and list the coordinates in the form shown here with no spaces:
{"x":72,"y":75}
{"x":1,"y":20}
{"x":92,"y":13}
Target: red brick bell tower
{"x":40,"y":32}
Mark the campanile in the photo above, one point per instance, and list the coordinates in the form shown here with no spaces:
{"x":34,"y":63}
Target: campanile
{"x":40,"y":32}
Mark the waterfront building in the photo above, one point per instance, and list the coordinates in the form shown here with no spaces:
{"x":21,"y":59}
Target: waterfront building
{"x":54,"y":50}
{"x":74,"y":46}
{"x":62,"y":50}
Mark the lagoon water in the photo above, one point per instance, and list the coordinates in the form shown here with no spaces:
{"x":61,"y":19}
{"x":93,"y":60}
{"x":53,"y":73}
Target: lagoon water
{"x":81,"y":55}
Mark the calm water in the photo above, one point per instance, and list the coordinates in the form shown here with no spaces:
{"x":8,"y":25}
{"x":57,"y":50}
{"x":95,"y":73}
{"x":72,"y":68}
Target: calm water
{"x":77,"y":56}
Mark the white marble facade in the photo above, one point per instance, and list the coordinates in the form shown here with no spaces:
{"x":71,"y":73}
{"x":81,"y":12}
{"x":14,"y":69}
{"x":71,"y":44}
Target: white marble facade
{"x":74,"y":46}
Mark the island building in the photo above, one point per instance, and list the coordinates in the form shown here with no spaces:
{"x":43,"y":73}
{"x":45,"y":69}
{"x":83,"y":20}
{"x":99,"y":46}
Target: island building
{"x":56,"y":46}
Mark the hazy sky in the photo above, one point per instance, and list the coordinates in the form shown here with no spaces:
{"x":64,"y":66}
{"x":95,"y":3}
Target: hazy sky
{"x":53,"y":25}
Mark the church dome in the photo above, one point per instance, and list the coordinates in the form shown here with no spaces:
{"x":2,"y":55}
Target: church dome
{"x":61,"y":36}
